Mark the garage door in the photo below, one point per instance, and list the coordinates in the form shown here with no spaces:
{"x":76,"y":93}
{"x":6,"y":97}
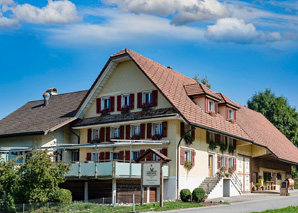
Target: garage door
{"x":243,"y":171}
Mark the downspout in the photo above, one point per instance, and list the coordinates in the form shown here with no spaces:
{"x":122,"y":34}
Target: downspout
{"x":192,"y":128}
{"x":79,"y":140}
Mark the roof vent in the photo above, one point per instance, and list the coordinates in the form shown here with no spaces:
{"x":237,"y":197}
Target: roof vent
{"x":169,"y":67}
{"x":52,"y":91}
{"x":46,"y":97}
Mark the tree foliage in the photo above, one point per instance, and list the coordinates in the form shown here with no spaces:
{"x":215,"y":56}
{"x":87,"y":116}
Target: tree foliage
{"x":278,"y":111}
{"x":204,"y":80}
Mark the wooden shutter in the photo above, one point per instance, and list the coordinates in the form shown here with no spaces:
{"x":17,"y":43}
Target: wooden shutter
{"x":193,"y":157}
{"x":164,"y":129}
{"x":119,"y":103}
{"x":217,"y":139}
{"x":89,"y":136}
{"x":182,"y":156}
{"x":182,"y":129}
{"x":149,"y":129}
{"x":142,"y":131}
{"x":127,"y":156}
{"x":206,"y":105}
{"x":227,"y":162}
{"x":102,"y":134}
{"x":234,"y":143}
{"x":193,"y":134}
{"x":112,"y":104}
{"x":218,"y":161}
{"x":107,"y":157}
{"x":121,"y":136}
{"x":121,"y":155}
{"x":132,"y":101}
{"x":164,"y":151}
{"x":216,"y":107}
{"x":127,"y":132}
{"x":98,"y":105}
{"x":139,"y":100}
{"x":88,"y":157}
{"x":234,"y":115}
{"x":207,"y":137}
{"x":227,"y":113}
{"x":142,"y":151}
{"x":154,"y":98}
{"x":108,"y":133}
{"x":234,"y":164}
{"x":101,"y":156}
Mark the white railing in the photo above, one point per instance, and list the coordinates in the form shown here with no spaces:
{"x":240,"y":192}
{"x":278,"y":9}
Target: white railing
{"x":235,"y":179}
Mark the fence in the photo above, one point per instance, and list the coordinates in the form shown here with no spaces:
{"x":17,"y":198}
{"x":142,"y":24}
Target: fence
{"x":95,"y":205}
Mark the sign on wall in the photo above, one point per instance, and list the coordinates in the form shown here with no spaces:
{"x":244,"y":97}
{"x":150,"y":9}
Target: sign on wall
{"x":151,"y":173}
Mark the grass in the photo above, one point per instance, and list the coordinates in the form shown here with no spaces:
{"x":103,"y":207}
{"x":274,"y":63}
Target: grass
{"x":290,"y":209}
{"x":91,"y":207}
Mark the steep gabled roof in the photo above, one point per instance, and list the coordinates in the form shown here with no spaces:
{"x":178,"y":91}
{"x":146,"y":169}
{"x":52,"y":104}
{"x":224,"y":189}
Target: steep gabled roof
{"x":200,"y":89}
{"x":35,"y":119}
{"x":226,"y":100}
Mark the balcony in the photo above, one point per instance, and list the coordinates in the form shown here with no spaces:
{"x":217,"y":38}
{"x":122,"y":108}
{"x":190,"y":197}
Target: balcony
{"x":112,"y":169}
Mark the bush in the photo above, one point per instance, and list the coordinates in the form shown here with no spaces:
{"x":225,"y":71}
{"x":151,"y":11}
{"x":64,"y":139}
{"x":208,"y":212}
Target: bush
{"x":198,"y":194}
{"x":8,"y":204}
{"x":185,"y":195}
{"x":62,"y":196}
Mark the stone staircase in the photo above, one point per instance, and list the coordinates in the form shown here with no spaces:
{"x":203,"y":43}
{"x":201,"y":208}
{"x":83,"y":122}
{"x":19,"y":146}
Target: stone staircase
{"x":209,"y":184}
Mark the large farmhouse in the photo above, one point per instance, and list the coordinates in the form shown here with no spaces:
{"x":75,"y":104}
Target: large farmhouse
{"x":136,"y":104}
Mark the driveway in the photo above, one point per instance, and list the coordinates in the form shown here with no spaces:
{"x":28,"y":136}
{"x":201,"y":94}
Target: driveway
{"x":249,"y":203}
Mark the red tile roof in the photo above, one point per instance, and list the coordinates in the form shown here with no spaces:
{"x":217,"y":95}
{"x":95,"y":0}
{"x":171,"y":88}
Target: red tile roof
{"x":226,"y":100}
{"x":199,"y":89}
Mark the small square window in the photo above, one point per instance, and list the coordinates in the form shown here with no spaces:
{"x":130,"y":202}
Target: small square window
{"x":115,"y":132}
{"x":147,"y":97}
{"x":187,"y":155}
{"x":105,"y":103}
{"x":156,"y":129}
{"x":231,"y":114}
{"x":115,"y":156}
{"x":95,"y":134}
{"x":125,"y":100}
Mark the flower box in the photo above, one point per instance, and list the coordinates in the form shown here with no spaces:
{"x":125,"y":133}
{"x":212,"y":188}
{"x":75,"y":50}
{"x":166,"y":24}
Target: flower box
{"x":106,"y":111}
{"x":125,"y":109}
{"x":146,"y":106}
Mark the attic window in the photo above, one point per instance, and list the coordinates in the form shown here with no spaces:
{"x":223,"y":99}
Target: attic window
{"x":211,"y":106}
{"x":147,"y":97}
{"x":231,"y":114}
{"x":105,"y":103}
{"x":125,"y":100}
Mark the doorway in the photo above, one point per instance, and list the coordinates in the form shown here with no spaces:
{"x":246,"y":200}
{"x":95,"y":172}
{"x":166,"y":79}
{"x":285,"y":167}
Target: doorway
{"x":210,"y":165}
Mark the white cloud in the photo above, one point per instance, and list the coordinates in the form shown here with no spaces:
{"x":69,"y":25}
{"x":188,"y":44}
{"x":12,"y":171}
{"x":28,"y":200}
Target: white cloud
{"x":183,"y":11}
{"x":7,"y":22}
{"x":8,"y":2}
{"x":54,"y":12}
{"x":236,"y":30}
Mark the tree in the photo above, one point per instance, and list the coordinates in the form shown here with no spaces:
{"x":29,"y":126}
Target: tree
{"x":204,"y":81}
{"x":278,"y":111}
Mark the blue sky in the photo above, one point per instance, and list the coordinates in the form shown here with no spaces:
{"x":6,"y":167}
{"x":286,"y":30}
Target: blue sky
{"x":242,"y":46}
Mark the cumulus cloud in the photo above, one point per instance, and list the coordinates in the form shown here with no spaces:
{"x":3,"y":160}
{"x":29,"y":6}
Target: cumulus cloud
{"x":7,"y":2}
{"x":183,"y":11}
{"x":7,"y":22}
{"x":54,"y":12}
{"x":236,"y":30}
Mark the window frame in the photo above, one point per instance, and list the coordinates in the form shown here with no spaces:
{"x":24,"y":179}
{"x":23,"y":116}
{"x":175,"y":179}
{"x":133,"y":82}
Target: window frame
{"x":92,"y":134}
{"x":132,"y":154}
{"x":144,"y":96}
{"x":132,"y":130}
{"x":103,"y":101}
{"x":212,"y":136}
{"x":187,"y":155}
{"x":112,"y":155}
{"x":231,"y":162}
{"x":153,"y":128}
{"x":112,"y":128}
{"x":96,"y":155}
{"x":222,"y":161}
{"x":231,"y":112}
{"x":123,"y":96}
{"x":211,"y":103}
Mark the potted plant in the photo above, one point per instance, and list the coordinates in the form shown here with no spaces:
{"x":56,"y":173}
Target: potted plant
{"x":258,"y":185}
{"x":188,"y":140}
{"x":223,"y":147}
{"x":157,"y":137}
{"x":227,"y":175}
{"x":212,"y":145}
{"x":211,"y":113}
{"x":231,"y":120}
{"x":146,"y":106}
{"x":125,"y":109}
{"x":188,"y":165}
{"x":95,"y":140}
{"x":135,"y":137}
{"x":231,"y":149}
{"x":106,"y":111}
{"x":231,"y":169}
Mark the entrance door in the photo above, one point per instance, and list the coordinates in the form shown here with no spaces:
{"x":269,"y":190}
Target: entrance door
{"x":210,"y":165}
{"x":243,"y":170}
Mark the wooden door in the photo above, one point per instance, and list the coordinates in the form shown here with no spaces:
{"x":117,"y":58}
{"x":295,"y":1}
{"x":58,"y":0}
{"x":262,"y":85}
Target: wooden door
{"x":152,"y":197}
{"x":243,"y":171}
{"x":210,"y":163}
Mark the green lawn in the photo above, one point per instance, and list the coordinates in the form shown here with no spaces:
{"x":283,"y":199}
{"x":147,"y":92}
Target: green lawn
{"x":290,"y":209}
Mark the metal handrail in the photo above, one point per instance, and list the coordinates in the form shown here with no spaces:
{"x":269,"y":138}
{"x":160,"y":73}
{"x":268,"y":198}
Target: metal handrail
{"x":237,"y":181}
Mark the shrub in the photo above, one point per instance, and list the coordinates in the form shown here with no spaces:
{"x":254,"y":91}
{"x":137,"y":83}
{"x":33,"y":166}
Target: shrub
{"x":62,"y":196}
{"x":198,"y":194}
{"x":7,"y":204}
{"x":185,"y":195}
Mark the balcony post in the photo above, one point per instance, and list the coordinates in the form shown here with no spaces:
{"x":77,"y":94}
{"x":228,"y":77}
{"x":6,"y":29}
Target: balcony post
{"x":86,"y":192}
{"x":114,"y":192}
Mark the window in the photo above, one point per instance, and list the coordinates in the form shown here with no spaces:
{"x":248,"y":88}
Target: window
{"x":115,"y":132}
{"x":135,"y":154}
{"x":223,"y":161}
{"x":222,"y":139}
{"x":156,"y":129}
{"x":75,"y":155}
{"x":105,"y":103}
{"x":212,"y":136}
{"x":231,"y":114}
{"x":95,"y":134}
{"x":94,"y":156}
{"x":155,"y":157}
{"x":114,"y":155}
{"x":147,"y":97}
{"x":211,"y":106}
{"x":231,"y":162}
{"x":125,"y":100}
{"x":187,"y":155}
{"x":135,"y":130}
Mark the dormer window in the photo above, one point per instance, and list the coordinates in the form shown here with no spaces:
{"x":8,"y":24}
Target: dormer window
{"x":105,"y":103}
{"x":211,"y":106}
{"x":231,"y":114}
{"x":147,"y":97}
{"x":125,"y":100}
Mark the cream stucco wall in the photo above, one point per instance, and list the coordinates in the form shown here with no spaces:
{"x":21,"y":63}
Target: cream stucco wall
{"x":278,"y":182}
{"x":126,"y":79}
{"x":201,"y":102}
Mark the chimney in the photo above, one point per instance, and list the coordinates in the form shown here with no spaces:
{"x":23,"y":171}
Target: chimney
{"x":169,"y":67}
{"x":52,"y":91}
{"x":46,"y":97}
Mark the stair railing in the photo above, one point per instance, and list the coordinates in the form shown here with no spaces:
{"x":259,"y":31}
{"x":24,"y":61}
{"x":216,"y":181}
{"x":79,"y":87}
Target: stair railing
{"x":237,"y":182}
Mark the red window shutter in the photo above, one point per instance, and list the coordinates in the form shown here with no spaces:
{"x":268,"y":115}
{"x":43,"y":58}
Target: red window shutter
{"x":207,"y":137}
{"x":142,"y":151}
{"x":234,"y":143}
{"x":107,"y":156}
{"x":98,"y":105}
{"x":193,"y":157}
{"x":132,"y":101}
{"x":127,"y":132}
{"x":102,"y":134}
{"x":182,"y":129}
{"x":182,"y":156}
{"x":108,"y":133}
{"x":227,"y":113}
{"x":89,"y":136}
{"x":217,"y":139}
{"x":164,"y":129}
{"x":206,"y":105}
{"x":154,"y":98}
{"x":193,"y":134}
{"x":139,"y":100}
{"x":127,"y":156}
{"x":142,"y":131}
{"x":101,"y":156}
{"x":234,"y":164}
{"x":121,"y":136}
{"x":227,"y":162}
{"x":149,"y":129}
{"x":216,"y":107}
{"x":88,"y":157}
{"x":164,"y":151}
{"x":112,"y":104}
{"x":226,"y":140}
{"x":218,"y":161}
{"x":121,"y":155}
{"x":119,"y":103}
{"x":234,"y":115}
